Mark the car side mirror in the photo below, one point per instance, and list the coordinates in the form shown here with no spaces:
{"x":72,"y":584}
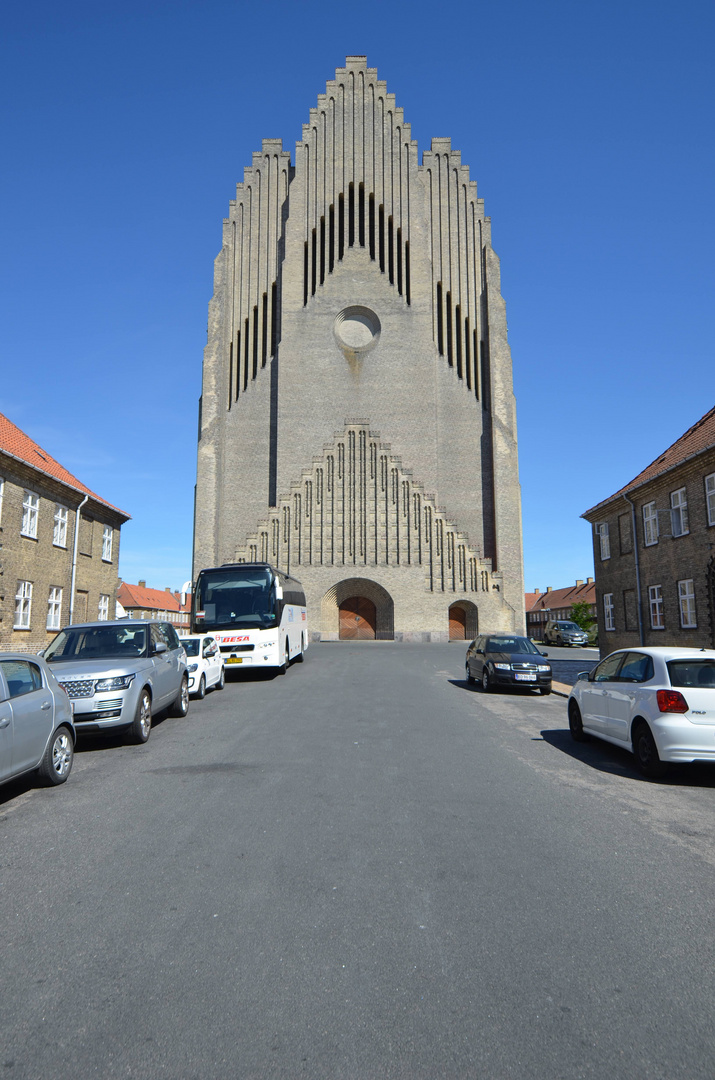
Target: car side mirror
{"x":544,"y":654}
{"x":160,"y":647}
{"x":481,"y":652}
{"x":279,"y":591}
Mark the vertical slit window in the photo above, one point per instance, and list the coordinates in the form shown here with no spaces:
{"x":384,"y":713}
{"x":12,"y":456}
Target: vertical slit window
{"x":322,"y":250}
{"x":458,"y":329}
{"x":341,"y":226}
{"x":408,"y":293}
{"x":230,"y":375}
{"x":381,"y":237}
{"x":475,"y":354}
{"x":485,"y":374}
{"x":351,"y":214}
{"x":361,"y":215}
{"x":450,"y":355}
{"x":371,"y":212}
{"x":238,"y":364}
{"x":245,"y":353}
{"x":467,"y":355}
{"x":399,"y":261}
{"x":305,"y":273}
{"x":255,"y":342}
{"x":331,"y":239}
{"x":314,"y":263}
{"x":440,"y":327}
{"x":274,"y":318}
{"x":264,"y":340}
{"x":390,"y":252}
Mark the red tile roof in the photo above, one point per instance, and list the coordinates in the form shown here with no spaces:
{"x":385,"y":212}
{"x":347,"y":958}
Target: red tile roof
{"x":700,"y":437}
{"x":17,"y":444}
{"x":563,"y":598}
{"x":138,"y":596}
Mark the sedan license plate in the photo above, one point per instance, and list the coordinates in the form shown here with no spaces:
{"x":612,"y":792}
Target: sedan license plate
{"x":524,"y":677}
{"x":234,"y":660}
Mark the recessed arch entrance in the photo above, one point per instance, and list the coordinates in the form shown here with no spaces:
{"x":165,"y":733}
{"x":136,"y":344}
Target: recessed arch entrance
{"x":358,"y":609}
{"x":463,"y":621}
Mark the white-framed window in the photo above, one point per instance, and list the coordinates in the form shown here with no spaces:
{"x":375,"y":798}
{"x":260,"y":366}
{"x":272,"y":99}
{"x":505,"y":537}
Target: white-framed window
{"x":609,"y":621}
{"x":655,"y":598}
{"x":679,"y":512}
{"x":54,"y":608}
{"x":686,"y":598}
{"x":602,"y":533}
{"x":650,"y":524}
{"x":709,"y":497}
{"x":107,"y":543}
{"x":103,"y":607}
{"x":30,"y":510}
{"x":59,"y":535}
{"x":23,"y":605}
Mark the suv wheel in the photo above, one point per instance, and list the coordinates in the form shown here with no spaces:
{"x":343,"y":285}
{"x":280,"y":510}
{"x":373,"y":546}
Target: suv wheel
{"x":141,"y":725}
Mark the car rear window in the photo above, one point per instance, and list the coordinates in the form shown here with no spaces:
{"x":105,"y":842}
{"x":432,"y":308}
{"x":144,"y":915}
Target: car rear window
{"x":692,"y":672}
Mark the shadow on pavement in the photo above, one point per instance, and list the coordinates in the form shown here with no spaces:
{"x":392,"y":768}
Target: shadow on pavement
{"x":607,"y":758}
{"x":520,"y":691}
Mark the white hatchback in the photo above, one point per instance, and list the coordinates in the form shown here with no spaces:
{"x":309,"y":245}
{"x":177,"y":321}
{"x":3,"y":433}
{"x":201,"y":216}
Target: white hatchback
{"x":657,"y":702}
{"x":205,"y":664}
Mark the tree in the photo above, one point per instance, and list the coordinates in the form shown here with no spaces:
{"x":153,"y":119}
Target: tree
{"x":581,"y":614}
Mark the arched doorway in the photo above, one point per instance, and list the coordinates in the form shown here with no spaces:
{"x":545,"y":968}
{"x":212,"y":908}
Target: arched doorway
{"x":463,"y":621}
{"x":358,"y":619}
{"x":361,"y":597}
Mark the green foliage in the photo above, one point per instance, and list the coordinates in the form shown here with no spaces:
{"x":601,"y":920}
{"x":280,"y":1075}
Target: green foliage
{"x":581,"y":615}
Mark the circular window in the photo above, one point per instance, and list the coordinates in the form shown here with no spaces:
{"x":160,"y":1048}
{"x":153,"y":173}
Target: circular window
{"x":357,"y":329}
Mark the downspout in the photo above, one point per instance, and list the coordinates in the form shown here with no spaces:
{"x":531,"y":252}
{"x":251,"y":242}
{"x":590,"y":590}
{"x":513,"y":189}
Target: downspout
{"x":74,"y":554}
{"x":638,"y":570}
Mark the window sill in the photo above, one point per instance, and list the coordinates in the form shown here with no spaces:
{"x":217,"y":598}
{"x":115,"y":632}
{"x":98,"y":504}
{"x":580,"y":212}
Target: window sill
{"x":26,"y":629}
{"x":108,"y":561}
{"x":677,"y":536}
{"x":26,"y":536}
{"x":62,"y":546}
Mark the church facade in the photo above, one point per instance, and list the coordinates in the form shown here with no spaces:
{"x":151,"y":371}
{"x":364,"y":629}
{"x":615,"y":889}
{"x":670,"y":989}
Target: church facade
{"x":357,"y":420}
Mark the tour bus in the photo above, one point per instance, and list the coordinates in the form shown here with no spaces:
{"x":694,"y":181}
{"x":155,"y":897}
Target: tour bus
{"x":255,"y":612}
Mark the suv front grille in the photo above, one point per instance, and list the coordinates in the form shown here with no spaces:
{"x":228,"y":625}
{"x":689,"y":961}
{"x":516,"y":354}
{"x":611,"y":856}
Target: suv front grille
{"x":78,"y":688}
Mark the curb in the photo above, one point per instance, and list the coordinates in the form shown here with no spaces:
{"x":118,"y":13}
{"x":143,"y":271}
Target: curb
{"x":561,"y":689}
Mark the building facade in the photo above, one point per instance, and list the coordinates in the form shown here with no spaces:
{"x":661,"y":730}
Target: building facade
{"x":557,"y":604}
{"x":357,"y":420}
{"x":654,"y":549}
{"x":138,"y":602}
{"x":59,"y":546}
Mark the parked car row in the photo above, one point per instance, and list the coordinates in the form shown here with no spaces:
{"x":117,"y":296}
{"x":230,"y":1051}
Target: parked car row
{"x":93,"y":677}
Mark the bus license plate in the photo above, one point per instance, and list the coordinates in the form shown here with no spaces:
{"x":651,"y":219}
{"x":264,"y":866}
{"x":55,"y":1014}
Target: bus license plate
{"x":525,"y":678}
{"x":234,"y":660}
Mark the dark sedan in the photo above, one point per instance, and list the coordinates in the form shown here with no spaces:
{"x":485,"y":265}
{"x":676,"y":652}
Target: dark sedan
{"x":507,"y":660}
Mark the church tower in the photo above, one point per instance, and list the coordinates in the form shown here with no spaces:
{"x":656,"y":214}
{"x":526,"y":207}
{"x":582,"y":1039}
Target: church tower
{"x":357,"y":421}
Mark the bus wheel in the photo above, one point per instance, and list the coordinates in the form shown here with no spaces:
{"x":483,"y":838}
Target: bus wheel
{"x":282,"y":668}
{"x":300,"y":657}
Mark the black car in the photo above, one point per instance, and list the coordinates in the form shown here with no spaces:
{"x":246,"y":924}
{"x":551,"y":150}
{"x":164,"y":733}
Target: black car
{"x":507,"y":660}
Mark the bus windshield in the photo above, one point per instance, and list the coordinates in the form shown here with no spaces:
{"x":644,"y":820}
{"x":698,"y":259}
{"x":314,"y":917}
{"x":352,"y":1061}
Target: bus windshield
{"x":228,"y":597}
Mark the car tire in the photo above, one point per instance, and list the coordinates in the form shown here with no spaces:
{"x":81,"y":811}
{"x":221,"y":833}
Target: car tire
{"x":470,"y":678}
{"x":646,"y":753}
{"x":545,"y":691}
{"x":180,"y":706}
{"x":486,"y":681}
{"x":201,"y":692}
{"x":576,"y":723}
{"x":140,"y":729}
{"x":57,"y":759}
{"x":221,"y":680}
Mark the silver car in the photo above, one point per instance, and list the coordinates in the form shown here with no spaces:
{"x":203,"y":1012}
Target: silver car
{"x":36,"y":728}
{"x":119,"y":673}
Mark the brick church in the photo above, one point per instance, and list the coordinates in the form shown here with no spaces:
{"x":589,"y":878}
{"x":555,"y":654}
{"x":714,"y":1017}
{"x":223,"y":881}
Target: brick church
{"x":357,"y":421}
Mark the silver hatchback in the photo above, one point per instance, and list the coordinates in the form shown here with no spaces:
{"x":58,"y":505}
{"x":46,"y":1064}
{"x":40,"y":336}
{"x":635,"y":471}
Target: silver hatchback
{"x":36,"y":728}
{"x":118,"y":674}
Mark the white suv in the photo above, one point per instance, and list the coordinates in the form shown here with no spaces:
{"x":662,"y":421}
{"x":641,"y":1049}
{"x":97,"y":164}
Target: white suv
{"x":657,"y":702}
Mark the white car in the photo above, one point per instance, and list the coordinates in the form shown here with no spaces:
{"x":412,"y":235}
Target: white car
{"x":657,"y":702}
{"x":205,"y":664}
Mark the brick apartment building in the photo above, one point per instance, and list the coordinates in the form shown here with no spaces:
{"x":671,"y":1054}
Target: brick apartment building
{"x":59,"y":545}
{"x":654,"y":549}
{"x":142,"y":603}
{"x":557,"y":604}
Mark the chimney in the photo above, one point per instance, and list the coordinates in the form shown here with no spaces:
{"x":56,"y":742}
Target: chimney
{"x":548,"y":588}
{"x":167,"y":589}
{"x":589,"y":581}
{"x":579,"y":583}
{"x":141,"y":584}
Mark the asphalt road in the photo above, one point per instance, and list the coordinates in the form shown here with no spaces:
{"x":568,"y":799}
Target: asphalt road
{"x":361,"y":870}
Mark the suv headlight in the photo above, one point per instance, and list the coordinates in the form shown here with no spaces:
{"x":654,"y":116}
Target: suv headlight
{"x":119,"y":682}
{"x":503,"y":667}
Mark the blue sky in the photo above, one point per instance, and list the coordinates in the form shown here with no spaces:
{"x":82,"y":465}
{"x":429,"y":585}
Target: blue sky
{"x":587,"y":126}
